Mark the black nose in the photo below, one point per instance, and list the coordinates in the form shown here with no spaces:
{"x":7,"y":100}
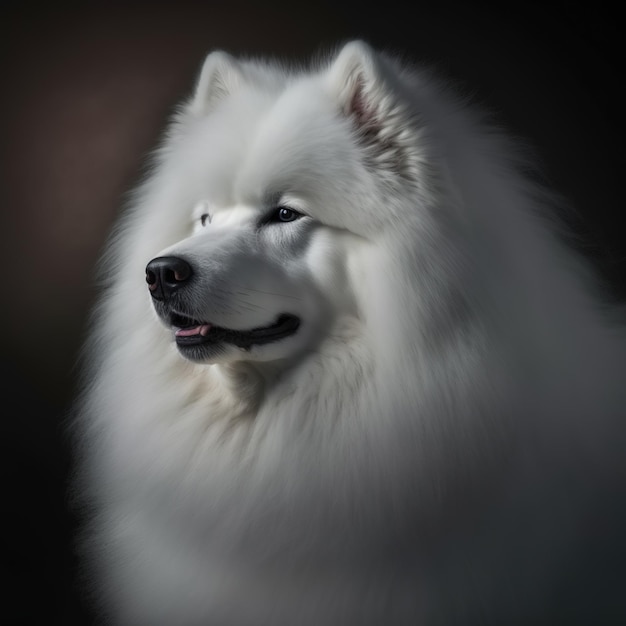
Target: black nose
{"x":165,"y":275}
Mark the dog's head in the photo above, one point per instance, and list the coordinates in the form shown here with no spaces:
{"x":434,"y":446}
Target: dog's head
{"x":284,"y":179}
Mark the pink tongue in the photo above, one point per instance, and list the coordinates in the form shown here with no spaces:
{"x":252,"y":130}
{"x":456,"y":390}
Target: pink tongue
{"x":202,"y":329}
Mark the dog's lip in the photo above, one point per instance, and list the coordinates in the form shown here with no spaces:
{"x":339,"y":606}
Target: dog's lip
{"x":190,"y":332}
{"x":185,"y":325}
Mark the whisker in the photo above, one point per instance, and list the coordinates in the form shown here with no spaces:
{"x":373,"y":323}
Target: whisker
{"x":270,"y":293}
{"x":246,"y":306}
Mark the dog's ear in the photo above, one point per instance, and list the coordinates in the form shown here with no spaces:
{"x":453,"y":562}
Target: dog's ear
{"x":366,"y":88}
{"x":355,"y":80}
{"x":219,"y":77}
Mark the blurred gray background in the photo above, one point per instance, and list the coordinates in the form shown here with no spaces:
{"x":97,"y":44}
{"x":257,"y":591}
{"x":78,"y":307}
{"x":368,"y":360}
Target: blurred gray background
{"x":86,"y":89}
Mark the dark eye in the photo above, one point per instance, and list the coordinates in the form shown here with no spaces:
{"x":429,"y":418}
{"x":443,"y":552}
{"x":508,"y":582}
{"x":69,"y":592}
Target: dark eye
{"x":285,"y":214}
{"x":204,"y":218}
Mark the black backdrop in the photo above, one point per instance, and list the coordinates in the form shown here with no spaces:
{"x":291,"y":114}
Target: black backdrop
{"x":85,"y":91}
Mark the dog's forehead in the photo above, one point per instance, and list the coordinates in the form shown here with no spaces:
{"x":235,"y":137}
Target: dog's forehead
{"x":209,"y":152}
{"x":282,"y":142}
{"x":301,"y":145}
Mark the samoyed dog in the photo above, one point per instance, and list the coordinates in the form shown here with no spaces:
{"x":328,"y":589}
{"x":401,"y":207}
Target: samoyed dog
{"x":344,"y":370}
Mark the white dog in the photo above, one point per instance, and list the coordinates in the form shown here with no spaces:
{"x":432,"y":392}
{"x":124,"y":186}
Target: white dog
{"x":366,"y":382}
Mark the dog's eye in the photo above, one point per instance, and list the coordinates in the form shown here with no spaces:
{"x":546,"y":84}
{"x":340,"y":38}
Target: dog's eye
{"x":279,"y":215}
{"x":204,"y":218}
{"x":285,"y":214}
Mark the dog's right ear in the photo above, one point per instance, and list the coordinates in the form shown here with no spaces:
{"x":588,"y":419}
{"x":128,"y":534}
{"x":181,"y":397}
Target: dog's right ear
{"x":220,"y":76}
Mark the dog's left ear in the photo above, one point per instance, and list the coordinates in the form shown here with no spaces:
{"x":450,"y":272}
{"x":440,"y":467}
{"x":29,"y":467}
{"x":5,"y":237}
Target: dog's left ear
{"x":220,"y":76}
{"x":355,"y":79}
{"x":364,"y":86}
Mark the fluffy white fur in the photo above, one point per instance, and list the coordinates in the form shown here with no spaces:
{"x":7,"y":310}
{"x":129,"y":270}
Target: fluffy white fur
{"x":424,"y":449}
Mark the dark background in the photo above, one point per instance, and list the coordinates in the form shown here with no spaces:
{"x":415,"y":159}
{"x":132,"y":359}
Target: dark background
{"x":85,"y":90}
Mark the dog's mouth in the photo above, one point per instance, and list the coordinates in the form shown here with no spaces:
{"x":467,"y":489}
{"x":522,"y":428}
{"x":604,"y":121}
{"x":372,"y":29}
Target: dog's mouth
{"x":189,"y":332}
